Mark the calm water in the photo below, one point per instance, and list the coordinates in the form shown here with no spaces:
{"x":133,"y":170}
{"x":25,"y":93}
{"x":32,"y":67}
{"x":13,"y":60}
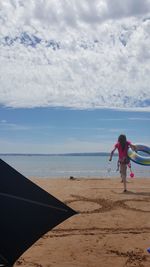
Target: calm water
{"x":65,"y":166}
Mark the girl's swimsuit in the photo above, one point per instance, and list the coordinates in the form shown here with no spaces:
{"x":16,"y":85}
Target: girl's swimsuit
{"x":123,"y":154}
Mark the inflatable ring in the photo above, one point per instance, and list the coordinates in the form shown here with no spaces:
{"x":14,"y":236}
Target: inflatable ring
{"x":137,"y":158}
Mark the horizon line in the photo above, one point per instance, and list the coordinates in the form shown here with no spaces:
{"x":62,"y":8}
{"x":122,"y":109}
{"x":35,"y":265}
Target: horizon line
{"x":56,"y":154}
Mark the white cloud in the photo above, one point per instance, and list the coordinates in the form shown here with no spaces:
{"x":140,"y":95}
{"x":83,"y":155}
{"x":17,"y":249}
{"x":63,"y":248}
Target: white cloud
{"x":139,"y":118}
{"x":118,"y":9}
{"x":89,"y":54}
{"x":4,"y":125}
{"x":71,"y":13}
{"x":68,"y":146}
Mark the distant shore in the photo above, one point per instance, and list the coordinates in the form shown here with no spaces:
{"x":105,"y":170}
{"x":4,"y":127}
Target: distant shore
{"x":58,"y":154}
{"x":112,"y":228}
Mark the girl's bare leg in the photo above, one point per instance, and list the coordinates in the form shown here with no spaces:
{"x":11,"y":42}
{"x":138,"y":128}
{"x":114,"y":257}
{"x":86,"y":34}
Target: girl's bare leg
{"x":123,"y":171}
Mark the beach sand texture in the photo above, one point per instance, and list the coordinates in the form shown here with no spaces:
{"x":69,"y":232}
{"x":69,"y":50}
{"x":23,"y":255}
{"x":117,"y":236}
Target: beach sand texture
{"x":112,"y":228}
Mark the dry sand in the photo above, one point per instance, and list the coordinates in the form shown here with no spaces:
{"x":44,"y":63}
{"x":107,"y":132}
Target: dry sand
{"x":111,"y":229}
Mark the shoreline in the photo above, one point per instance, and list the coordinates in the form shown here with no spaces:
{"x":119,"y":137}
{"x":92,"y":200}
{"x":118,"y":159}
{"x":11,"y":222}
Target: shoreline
{"x":111,"y":227}
{"x":115,"y":178}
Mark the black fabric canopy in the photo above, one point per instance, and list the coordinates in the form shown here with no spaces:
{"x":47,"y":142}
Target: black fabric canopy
{"x":26,"y":213}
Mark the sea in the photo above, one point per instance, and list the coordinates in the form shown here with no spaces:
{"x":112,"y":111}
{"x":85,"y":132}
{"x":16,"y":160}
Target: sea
{"x":80,"y":165}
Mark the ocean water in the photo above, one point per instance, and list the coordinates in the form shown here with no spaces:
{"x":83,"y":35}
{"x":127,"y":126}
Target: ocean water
{"x":64,"y":166}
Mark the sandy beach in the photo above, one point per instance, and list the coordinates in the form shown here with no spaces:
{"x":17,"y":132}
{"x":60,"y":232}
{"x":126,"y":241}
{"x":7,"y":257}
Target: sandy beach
{"x":111,"y":228}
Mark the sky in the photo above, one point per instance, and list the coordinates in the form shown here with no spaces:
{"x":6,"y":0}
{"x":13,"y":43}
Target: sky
{"x":73,"y":75}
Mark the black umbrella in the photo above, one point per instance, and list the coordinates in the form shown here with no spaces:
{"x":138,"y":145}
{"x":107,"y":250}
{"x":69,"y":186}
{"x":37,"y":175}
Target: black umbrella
{"x":26,"y":213}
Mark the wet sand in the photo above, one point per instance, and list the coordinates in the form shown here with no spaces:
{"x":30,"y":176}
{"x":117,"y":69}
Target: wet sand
{"x":111,"y":228}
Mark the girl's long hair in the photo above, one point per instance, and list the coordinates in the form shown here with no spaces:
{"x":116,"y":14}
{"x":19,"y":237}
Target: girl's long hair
{"x":122,"y":140}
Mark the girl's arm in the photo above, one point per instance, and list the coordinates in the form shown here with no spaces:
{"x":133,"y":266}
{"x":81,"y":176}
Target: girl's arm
{"x":111,"y":154}
{"x":133,"y":147}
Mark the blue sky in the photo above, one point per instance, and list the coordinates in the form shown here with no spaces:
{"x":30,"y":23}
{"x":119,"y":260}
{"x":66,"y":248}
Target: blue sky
{"x":55,"y":130}
{"x":73,"y":75}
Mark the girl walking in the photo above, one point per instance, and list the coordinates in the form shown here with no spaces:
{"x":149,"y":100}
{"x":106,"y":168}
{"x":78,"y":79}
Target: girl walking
{"x":122,"y":146}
